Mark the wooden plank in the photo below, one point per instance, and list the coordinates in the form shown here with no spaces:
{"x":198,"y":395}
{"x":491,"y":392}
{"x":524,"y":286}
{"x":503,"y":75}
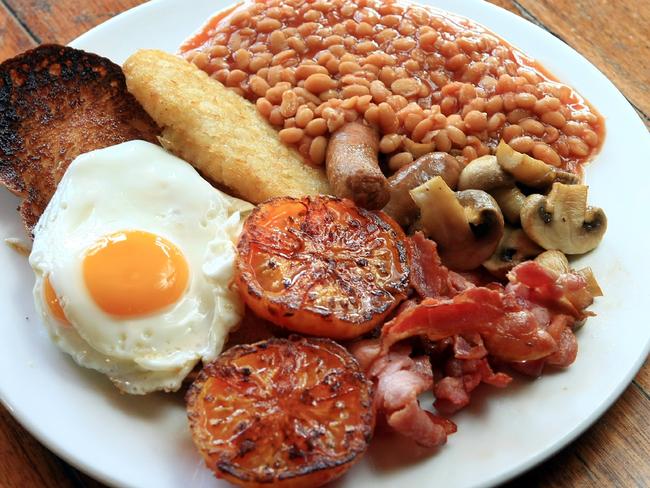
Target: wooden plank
{"x":643,"y":379}
{"x":25,"y":462}
{"x":612,"y":35}
{"x":13,"y":37}
{"x":63,"y":20}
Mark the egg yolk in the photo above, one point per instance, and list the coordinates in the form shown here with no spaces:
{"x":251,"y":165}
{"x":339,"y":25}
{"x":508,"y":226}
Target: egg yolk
{"x":53,"y":302}
{"x":133,"y":273}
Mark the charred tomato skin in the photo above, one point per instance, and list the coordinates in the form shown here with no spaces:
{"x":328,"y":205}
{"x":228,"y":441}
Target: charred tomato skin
{"x":293,"y":412}
{"x":322,"y":266}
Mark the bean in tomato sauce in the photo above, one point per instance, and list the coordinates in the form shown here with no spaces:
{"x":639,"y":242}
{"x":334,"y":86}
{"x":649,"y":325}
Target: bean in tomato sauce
{"x":419,"y":75}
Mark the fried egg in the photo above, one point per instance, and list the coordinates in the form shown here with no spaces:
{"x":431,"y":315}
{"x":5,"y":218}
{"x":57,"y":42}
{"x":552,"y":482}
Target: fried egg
{"x":133,"y":259}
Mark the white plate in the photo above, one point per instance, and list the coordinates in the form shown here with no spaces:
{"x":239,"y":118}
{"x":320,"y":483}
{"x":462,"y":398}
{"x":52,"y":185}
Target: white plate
{"x":143,"y":442}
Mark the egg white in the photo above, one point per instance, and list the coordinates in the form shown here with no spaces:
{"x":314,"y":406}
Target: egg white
{"x":139,"y":186}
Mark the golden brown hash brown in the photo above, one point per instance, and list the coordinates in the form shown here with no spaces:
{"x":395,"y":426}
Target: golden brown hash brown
{"x":220,"y":133}
{"x":56,"y":103}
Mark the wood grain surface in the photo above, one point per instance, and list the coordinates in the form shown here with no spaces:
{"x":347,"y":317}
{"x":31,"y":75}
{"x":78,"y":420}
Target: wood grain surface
{"x":613,"y":35}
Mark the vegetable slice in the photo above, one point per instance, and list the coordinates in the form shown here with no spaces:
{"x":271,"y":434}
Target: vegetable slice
{"x":284,"y":412}
{"x":321,"y":266}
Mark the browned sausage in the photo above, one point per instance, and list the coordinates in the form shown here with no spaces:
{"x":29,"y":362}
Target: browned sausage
{"x":401,"y":206}
{"x":352,"y":166}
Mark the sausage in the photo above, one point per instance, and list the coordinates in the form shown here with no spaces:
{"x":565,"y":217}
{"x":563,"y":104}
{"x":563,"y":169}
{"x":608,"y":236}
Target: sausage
{"x":352,"y":167}
{"x":401,"y":206}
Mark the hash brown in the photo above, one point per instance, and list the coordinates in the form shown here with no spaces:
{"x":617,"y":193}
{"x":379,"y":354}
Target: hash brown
{"x":216,"y":130}
{"x":56,"y":103}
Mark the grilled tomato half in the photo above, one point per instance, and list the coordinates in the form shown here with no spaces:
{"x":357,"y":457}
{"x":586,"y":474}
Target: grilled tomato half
{"x":291,"y":412}
{"x":321,"y":266}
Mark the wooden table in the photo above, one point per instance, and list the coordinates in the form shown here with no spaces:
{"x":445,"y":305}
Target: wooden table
{"x":613,"y":35}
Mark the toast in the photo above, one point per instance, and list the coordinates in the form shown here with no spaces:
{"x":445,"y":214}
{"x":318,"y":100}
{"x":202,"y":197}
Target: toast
{"x":56,"y":103}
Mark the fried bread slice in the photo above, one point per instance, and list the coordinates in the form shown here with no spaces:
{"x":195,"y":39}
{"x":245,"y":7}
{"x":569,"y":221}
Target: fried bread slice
{"x":56,"y":103}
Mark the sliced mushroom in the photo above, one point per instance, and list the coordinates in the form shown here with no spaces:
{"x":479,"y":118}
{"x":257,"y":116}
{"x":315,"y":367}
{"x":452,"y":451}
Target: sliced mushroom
{"x":467,"y":225}
{"x":514,"y":248}
{"x":530,"y":171}
{"x":592,"y":285}
{"x":563,"y":221}
{"x":510,"y":201}
{"x":486,"y":174}
{"x":554,"y":261}
{"x":401,"y":206}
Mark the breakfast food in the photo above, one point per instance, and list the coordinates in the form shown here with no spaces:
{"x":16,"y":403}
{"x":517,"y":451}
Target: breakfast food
{"x":352,"y":167}
{"x":282,"y":413}
{"x":56,"y":103}
{"x":217,"y":131}
{"x":133,"y":257}
{"x":472,"y":151}
{"x":321,"y":266}
{"x":419,"y":75}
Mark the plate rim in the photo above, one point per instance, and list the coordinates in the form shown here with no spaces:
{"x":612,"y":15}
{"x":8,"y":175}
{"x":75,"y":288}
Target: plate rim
{"x":579,"y":428}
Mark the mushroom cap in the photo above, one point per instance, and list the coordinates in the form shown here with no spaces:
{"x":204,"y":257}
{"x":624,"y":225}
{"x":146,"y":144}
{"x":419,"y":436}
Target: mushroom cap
{"x":514,"y":248}
{"x":485,"y":174}
{"x":466,"y":225}
{"x":563,"y":221}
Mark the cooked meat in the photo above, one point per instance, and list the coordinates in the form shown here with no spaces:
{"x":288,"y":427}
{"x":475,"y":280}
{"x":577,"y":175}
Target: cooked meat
{"x":56,"y":103}
{"x":352,"y":166}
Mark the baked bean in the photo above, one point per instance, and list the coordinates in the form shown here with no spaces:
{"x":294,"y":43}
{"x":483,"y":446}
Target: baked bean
{"x":304,"y":115}
{"x":518,"y":114}
{"x":398,"y":102}
{"x":551,"y":135}
{"x":511,"y":131}
{"x":578,"y":147}
{"x":316,"y":127}
{"x":590,"y":137}
{"x":573,"y":128}
{"x":407,"y":87}
{"x":258,"y":85}
{"x":219,"y":51}
{"x":268,"y":25}
{"x":319,"y":82}
{"x":390,"y":143}
{"x":522,"y":144}
{"x":475,"y":120}
{"x":546,"y":153}
{"x":442,"y":140}
{"x":411,"y":120}
{"x":494,"y":104}
{"x":317,"y":150}
{"x":399,"y":160}
{"x":387,"y":118}
{"x":405,"y":69}
{"x":275,"y":117}
{"x":525,"y":100}
{"x":264,"y":107}
{"x":496,"y":121}
{"x":532,"y":126}
{"x":469,"y":153}
{"x":289,"y":105}
{"x":546,"y":104}
{"x":556,"y":119}
{"x":421,"y":129}
{"x":456,"y":136}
